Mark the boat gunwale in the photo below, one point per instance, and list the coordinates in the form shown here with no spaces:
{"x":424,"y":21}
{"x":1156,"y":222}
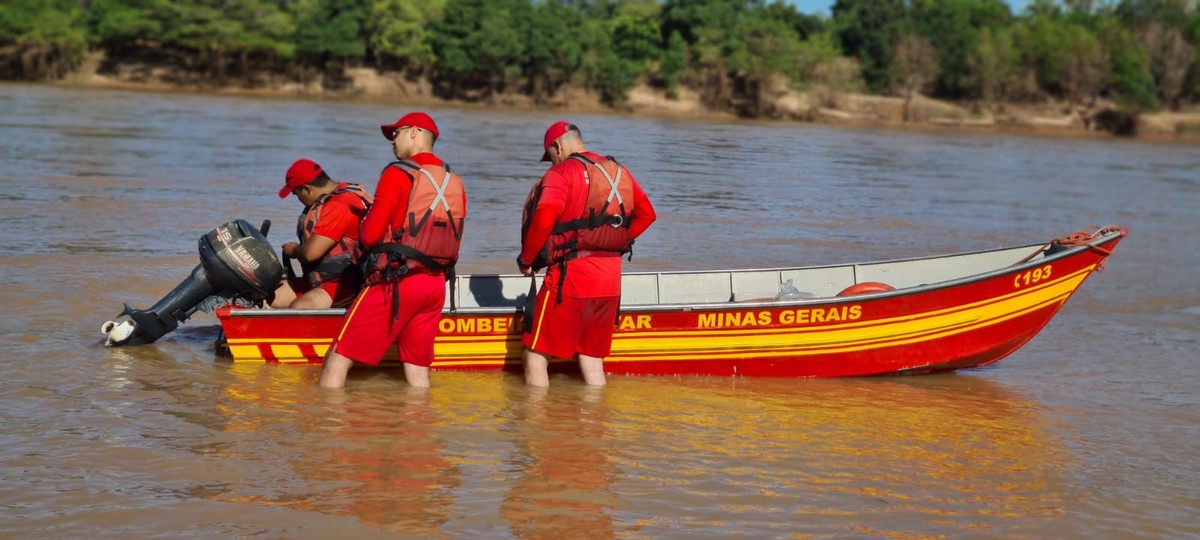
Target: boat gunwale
{"x":1109,"y":236}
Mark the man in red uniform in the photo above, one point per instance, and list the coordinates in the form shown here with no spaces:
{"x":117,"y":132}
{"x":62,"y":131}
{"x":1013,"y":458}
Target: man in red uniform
{"x":408,"y":242}
{"x":328,"y":232}
{"x":579,"y":219}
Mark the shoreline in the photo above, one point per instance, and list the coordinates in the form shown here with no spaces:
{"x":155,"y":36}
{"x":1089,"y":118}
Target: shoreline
{"x":1057,"y":120}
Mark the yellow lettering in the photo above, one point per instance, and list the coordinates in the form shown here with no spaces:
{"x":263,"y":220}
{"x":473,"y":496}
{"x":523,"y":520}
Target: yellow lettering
{"x":501,"y":325}
{"x":815,"y":315}
{"x":643,"y":321}
{"x":466,"y":325}
{"x":446,"y":326}
{"x":764,"y":317}
{"x":708,"y":320}
{"x":484,"y":325}
{"x":626,"y":322}
{"x":749,"y":320}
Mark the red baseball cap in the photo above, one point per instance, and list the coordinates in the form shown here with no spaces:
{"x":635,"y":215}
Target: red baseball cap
{"x":556,"y":130}
{"x":301,"y":172}
{"x":412,"y":119}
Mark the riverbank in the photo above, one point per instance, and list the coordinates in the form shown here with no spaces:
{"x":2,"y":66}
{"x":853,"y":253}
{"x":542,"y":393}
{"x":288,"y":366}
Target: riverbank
{"x":1096,"y":120}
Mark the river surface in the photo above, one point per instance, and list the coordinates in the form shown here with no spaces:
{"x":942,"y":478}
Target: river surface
{"x":1092,"y":430}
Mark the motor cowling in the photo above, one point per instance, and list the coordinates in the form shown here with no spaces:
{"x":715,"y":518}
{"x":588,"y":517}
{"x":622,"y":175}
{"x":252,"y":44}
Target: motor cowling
{"x":238,"y":258}
{"x":237,"y":263}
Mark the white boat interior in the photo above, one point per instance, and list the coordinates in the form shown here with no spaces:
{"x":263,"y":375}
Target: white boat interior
{"x":481,"y":292}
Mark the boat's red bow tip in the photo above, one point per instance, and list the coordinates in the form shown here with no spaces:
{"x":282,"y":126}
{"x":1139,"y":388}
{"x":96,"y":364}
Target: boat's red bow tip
{"x":866,"y":287}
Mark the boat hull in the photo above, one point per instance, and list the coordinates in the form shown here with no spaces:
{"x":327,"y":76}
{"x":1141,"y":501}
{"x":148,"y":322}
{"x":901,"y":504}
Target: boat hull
{"x":961,"y":324}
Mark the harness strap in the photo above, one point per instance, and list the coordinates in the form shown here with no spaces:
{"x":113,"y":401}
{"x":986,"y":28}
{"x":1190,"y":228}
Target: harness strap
{"x":562,"y":281}
{"x":590,"y":222}
{"x":409,"y":252}
{"x":405,"y":253}
{"x":439,"y":198}
{"x":530,"y":304}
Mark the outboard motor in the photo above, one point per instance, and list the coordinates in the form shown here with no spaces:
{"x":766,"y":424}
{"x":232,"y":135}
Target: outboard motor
{"x":236,"y":264}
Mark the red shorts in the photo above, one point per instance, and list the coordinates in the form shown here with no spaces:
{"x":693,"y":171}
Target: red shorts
{"x":342,"y":289}
{"x":577,"y":325}
{"x":369,"y":330}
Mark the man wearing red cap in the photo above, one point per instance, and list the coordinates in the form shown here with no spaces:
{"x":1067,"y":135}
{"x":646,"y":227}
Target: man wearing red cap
{"x":579,"y":219}
{"x":328,"y":231}
{"x":408,"y":245}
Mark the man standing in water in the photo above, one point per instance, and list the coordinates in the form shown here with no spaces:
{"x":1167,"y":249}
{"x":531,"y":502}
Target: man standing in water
{"x":408,"y":243}
{"x":579,"y":219}
{"x":328,"y":232}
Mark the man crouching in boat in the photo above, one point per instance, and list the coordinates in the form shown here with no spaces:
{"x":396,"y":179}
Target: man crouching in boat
{"x":328,"y":233}
{"x":409,"y":243}
{"x":579,"y":219}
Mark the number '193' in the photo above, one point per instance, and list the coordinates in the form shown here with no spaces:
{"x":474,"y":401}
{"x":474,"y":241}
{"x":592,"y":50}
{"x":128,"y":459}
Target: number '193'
{"x":1031,"y":277}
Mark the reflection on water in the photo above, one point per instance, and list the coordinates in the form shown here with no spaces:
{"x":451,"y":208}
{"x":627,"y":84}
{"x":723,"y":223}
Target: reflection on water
{"x":1088,"y":431}
{"x":648,"y":457}
{"x":566,"y":467}
{"x":886,"y":457}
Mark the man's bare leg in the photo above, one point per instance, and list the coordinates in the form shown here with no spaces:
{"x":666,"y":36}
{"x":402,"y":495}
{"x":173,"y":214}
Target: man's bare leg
{"x":333,"y":375}
{"x":417,"y":376}
{"x":283,"y":297}
{"x":593,"y":370}
{"x":535,"y":369}
{"x":315,"y":299}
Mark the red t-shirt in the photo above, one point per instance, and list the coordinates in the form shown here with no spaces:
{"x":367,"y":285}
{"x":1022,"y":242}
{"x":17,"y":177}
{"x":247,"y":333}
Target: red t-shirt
{"x":340,"y":216}
{"x":564,"y":196}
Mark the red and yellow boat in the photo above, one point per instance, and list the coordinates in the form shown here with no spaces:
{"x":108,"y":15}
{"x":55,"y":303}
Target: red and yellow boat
{"x":905,"y":316}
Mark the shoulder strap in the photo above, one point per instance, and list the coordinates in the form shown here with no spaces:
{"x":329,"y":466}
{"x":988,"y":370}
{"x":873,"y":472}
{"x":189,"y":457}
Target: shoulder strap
{"x":404,"y":165}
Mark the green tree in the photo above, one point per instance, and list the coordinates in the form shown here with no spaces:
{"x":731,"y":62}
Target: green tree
{"x":553,"y":54}
{"x":992,"y":65}
{"x":604,"y":71}
{"x":637,"y":39}
{"x":1167,"y":30}
{"x":1192,"y":87}
{"x":817,"y":61}
{"x":805,"y":26}
{"x":865,"y":30}
{"x":766,"y":54}
{"x":1085,"y":68}
{"x":1172,"y":13}
{"x":332,"y":33}
{"x":41,"y":39}
{"x":914,"y":67}
{"x":1130,"y":82}
{"x":398,"y":33}
{"x":480,"y":45}
{"x":952,"y":28}
{"x":1043,"y":47}
{"x":710,"y":29}
{"x":119,"y":24}
{"x":673,"y":64}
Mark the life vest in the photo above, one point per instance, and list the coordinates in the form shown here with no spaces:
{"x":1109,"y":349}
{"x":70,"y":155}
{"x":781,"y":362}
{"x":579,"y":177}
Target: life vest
{"x":602,"y":228}
{"x":432,"y":231}
{"x":340,"y":257}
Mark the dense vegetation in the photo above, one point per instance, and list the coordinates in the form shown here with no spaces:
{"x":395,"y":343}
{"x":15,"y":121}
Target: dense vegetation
{"x":736,"y":53}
